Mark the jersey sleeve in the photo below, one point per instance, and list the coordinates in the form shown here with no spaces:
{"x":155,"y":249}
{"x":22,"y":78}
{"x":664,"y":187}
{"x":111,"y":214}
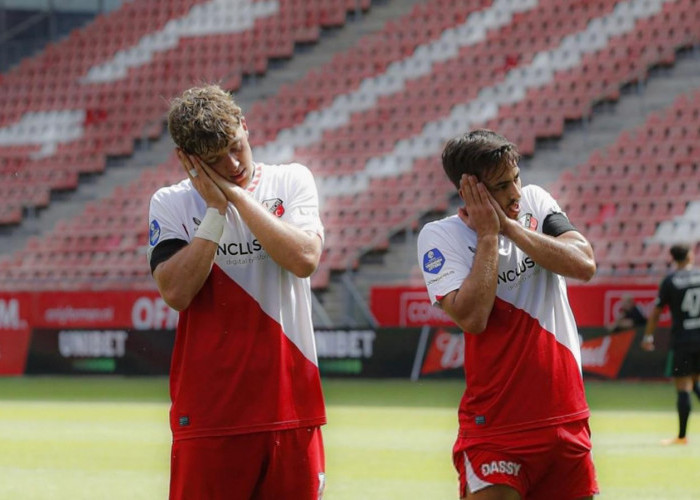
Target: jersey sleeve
{"x":443,"y":267}
{"x":303,"y":207}
{"x":554,"y":220}
{"x":163,"y":223}
{"x":664,"y":295}
{"x":542,"y":202}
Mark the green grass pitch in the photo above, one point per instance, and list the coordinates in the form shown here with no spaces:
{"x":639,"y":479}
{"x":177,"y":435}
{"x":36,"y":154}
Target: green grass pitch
{"x":107,"y":439}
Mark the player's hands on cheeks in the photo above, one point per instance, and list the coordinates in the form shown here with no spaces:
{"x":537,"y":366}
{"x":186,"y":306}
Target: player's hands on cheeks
{"x":505,"y":222}
{"x":223,"y":183}
{"x":478,"y":212}
{"x":196,"y":170}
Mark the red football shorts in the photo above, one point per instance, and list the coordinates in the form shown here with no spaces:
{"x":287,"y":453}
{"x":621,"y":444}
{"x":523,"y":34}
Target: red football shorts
{"x":260,"y":466}
{"x":550,"y":462}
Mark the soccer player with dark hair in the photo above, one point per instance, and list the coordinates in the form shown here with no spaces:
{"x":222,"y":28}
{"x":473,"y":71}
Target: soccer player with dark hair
{"x":232,"y":247}
{"x":680,"y":292}
{"x":498,"y":269}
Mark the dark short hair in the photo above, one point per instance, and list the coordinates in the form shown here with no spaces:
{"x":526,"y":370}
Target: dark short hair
{"x":679,"y":252}
{"x":476,"y":153}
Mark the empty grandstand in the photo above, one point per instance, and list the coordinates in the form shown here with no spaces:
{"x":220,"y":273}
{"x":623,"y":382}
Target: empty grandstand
{"x":602,"y":97}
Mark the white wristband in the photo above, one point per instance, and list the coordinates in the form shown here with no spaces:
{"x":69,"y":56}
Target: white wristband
{"x":212,"y":226}
{"x":648,"y":339}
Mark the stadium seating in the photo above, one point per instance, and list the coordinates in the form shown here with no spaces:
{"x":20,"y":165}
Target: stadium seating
{"x":370,"y":123}
{"x":651,"y":173}
{"x":535,"y":118}
{"x":93,"y":94}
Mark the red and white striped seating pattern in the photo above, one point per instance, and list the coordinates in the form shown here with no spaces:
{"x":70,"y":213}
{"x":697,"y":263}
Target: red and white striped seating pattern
{"x":377,"y":156}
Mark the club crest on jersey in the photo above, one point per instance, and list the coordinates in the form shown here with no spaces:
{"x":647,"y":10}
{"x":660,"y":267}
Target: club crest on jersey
{"x":153,"y":232}
{"x":196,"y":221}
{"x":529,"y":222}
{"x":433,"y":260}
{"x":275,"y":206}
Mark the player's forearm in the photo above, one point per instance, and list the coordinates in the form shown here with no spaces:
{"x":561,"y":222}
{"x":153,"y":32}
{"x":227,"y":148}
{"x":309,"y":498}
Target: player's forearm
{"x":471,"y":305}
{"x":568,"y":255}
{"x":652,"y":322}
{"x":650,"y":328}
{"x":292,"y":248}
{"x":181,"y":277}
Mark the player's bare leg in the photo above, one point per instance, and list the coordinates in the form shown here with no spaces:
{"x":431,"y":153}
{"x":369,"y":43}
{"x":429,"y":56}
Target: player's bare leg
{"x":684,"y":383}
{"x":683,"y":387}
{"x":495,"y":492}
{"x":500,"y":492}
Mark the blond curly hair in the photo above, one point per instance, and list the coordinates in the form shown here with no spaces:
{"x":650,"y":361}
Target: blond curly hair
{"x":204,"y":121}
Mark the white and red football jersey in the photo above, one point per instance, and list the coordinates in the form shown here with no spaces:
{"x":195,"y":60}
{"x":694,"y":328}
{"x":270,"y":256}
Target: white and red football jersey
{"x":524,"y":370}
{"x":244,"y":358}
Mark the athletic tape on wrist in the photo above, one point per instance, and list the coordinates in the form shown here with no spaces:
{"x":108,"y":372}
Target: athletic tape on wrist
{"x":212,"y":226}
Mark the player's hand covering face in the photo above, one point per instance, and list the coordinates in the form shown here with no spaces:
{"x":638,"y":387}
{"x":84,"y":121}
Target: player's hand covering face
{"x":478,"y":211}
{"x":506,"y":190}
{"x":202,"y":182}
{"x":235,"y":164}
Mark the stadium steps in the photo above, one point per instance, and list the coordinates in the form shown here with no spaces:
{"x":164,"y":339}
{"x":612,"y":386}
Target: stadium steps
{"x":121,"y":171}
{"x":309,"y":56}
{"x":608,"y":119}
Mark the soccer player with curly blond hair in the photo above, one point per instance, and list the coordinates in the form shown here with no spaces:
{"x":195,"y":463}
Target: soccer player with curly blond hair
{"x":232,"y":247}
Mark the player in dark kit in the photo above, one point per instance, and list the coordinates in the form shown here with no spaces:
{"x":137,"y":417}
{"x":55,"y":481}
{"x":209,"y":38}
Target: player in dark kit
{"x":680,"y":292}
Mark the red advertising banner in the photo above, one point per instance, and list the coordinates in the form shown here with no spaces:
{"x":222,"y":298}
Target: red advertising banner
{"x":445,"y":352}
{"x":15,"y":327}
{"x":593,"y":305}
{"x":605,"y":355}
{"x":598,"y":305}
{"x":132,"y":332}
{"x":601,"y":355}
{"x":89,"y":319}
{"x":139,"y":310}
{"x":405,"y":306}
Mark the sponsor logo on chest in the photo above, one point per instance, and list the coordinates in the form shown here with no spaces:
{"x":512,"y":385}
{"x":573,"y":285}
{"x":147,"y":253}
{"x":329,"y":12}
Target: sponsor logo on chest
{"x":510,"y":275}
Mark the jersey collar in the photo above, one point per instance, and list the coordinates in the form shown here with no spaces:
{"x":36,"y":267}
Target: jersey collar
{"x":257,"y":173}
